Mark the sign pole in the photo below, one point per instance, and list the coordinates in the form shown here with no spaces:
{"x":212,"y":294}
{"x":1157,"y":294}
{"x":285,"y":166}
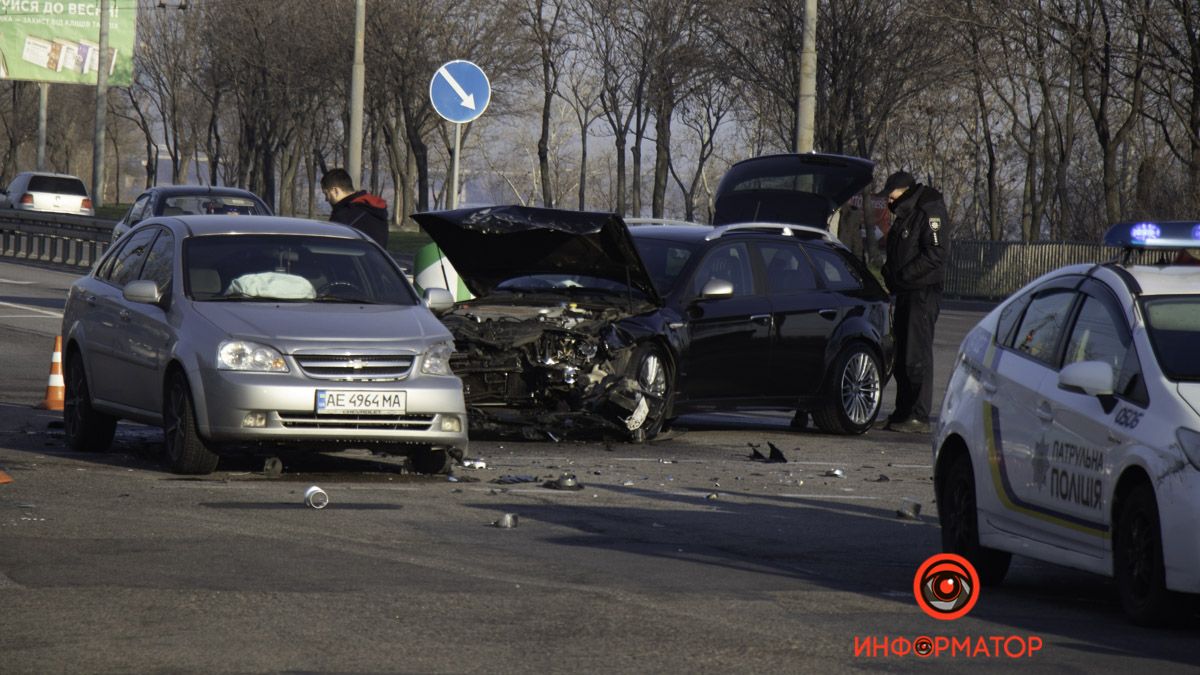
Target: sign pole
{"x":43,"y":104}
{"x":357,"y":79}
{"x":101,"y":110}
{"x":454,"y":182}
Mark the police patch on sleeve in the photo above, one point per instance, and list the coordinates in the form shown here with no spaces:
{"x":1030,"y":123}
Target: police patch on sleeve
{"x":935,"y":224}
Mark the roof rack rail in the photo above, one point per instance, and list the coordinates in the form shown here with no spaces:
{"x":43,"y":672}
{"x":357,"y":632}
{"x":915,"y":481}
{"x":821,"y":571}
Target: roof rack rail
{"x":786,"y":229}
{"x":661,"y":221}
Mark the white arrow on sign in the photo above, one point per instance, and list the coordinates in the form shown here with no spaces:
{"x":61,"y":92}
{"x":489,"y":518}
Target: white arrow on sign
{"x":468,"y":100}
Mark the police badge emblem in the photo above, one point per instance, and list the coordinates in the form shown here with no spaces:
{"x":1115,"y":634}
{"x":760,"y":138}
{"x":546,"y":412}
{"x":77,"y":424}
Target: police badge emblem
{"x":935,"y":224}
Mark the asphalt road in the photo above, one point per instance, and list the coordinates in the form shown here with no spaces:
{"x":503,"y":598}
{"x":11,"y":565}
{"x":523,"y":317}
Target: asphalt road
{"x":677,"y":556}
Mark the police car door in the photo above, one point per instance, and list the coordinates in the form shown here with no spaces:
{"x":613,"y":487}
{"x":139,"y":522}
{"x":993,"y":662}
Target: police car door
{"x":1073,"y":465}
{"x":1015,"y":416}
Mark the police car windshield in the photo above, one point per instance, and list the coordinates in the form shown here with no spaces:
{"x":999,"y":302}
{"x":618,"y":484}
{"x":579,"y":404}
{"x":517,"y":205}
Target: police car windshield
{"x":1174,"y":326}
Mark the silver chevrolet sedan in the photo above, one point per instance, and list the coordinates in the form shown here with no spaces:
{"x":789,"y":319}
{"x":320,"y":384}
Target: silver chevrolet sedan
{"x":263,"y":335}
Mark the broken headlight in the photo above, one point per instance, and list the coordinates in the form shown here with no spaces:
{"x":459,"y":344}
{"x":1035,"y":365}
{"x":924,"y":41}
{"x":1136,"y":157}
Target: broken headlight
{"x":436,"y":360}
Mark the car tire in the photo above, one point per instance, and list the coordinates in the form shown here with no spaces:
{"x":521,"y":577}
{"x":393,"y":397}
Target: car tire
{"x":431,"y":461}
{"x":186,"y":452}
{"x":651,"y":371}
{"x":854,"y":390}
{"x":959,"y":519}
{"x":1138,"y":563}
{"x":86,"y":430}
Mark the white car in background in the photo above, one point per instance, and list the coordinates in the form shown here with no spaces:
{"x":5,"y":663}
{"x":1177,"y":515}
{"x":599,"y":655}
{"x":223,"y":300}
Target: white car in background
{"x":1070,"y":430}
{"x":47,"y":192}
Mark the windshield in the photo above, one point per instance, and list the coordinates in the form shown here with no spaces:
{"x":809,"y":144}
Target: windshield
{"x":291,"y":268}
{"x":664,"y":260}
{"x":1174,"y":327}
{"x":230,"y":205}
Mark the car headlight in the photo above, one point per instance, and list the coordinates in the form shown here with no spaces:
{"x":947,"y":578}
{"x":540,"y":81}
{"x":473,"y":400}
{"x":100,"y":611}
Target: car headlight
{"x":436,"y":359}
{"x":243,"y":355}
{"x":1190,"y":442}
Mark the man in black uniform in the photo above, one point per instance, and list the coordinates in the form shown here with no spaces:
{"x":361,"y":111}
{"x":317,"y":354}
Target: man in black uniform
{"x":917,"y":245}
{"x":359,"y":209}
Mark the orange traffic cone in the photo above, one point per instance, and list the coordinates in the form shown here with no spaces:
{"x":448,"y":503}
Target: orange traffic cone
{"x":55,"y":391}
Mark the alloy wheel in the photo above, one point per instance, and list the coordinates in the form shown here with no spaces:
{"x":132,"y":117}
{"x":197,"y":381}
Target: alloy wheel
{"x":860,"y":388}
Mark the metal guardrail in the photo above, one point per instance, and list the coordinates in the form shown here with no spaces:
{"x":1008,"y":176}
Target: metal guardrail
{"x":75,"y":241}
{"x":997,"y":269}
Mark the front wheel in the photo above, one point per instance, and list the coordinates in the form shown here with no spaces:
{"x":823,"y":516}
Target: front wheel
{"x":655,"y":384}
{"x":186,"y":451}
{"x":854,"y":391}
{"x":1138,"y":563}
{"x":959,"y":519}
{"x":431,"y":461}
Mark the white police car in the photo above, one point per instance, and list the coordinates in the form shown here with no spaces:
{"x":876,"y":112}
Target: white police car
{"x":1070,"y":430}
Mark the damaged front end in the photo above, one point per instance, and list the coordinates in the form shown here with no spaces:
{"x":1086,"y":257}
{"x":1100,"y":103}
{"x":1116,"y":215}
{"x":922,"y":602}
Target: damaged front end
{"x":553,"y":372}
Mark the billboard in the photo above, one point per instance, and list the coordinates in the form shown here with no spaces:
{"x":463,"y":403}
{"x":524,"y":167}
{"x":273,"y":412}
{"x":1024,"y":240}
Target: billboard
{"x":50,"y":41}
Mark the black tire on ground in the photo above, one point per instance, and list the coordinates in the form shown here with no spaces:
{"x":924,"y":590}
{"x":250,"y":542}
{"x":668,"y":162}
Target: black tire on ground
{"x":854,"y":392}
{"x":186,"y":452}
{"x":1138,"y":563}
{"x":799,"y":420}
{"x":86,"y":429}
{"x":960,"y":523}
{"x":652,"y":372}
{"x":431,"y":461}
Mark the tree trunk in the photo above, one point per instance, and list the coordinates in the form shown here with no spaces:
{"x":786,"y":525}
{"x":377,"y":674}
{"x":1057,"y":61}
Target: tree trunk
{"x":662,"y":157}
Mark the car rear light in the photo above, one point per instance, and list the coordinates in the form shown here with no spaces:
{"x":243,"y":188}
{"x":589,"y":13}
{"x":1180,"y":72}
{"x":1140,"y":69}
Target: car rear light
{"x":26,"y":198}
{"x":87,"y":203}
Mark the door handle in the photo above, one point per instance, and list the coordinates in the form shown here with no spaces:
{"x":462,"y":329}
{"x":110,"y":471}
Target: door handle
{"x":124,"y":314}
{"x":760,"y":318}
{"x":990,"y":387}
{"x":1113,"y":437}
{"x":1044,"y":412}
{"x":830,"y":314}
{"x":90,"y":300}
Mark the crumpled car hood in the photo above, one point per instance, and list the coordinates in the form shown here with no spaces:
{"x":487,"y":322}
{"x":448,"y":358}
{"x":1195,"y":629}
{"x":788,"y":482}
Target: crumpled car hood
{"x":802,"y":189}
{"x":289,"y":327}
{"x":491,"y":244}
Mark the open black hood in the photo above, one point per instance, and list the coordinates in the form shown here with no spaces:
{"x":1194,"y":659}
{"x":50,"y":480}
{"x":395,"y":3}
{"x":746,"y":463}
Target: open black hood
{"x":803,"y":189}
{"x":490,"y":244}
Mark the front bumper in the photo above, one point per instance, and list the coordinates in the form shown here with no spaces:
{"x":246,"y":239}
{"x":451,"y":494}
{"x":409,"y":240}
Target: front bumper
{"x":289,"y":406}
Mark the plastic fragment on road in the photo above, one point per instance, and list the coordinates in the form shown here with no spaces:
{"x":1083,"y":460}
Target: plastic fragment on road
{"x":567,"y":481}
{"x":881,"y":479}
{"x":5,"y":478}
{"x":834,"y":473}
{"x":776,"y":456}
{"x":910,"y":510}
{"x":509,"y":479}
{"x":316,"y":497}
{"x":474,"y":464}
{"x":506,"y":521}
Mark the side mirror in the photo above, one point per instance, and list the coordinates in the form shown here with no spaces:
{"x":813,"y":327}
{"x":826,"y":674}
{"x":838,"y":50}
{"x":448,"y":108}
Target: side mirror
{"x":144,"y":291}
{"x":717,"y":288}
{"x":1094,"y":378}
{"x":438,"y":299}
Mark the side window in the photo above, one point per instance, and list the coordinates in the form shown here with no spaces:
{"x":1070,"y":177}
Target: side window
{"x":158,"y":267}
{"x":838,"y":275}
{"x":1043,"y":325}
{"x":104,"y":269}
{"x":787,"y":269}
{"x":137,"y":212}
{"x":128,"y":263}
{"x":731,"y":263}
{"x":1008,"y":319}
{"x":1100,"y":334}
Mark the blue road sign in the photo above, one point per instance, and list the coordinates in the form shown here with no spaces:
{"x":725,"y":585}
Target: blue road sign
{"x":460,"y":91}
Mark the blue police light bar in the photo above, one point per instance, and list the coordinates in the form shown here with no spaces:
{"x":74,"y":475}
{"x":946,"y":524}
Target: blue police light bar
{"x":1154,"y":234}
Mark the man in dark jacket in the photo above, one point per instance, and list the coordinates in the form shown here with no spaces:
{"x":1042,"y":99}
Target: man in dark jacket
{"x":917,"y":246}
{"x":359,"y":209}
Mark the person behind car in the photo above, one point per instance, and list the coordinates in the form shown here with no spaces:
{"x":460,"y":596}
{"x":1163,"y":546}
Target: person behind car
{"x":356,"y":208}
{"x":917,"y":244}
